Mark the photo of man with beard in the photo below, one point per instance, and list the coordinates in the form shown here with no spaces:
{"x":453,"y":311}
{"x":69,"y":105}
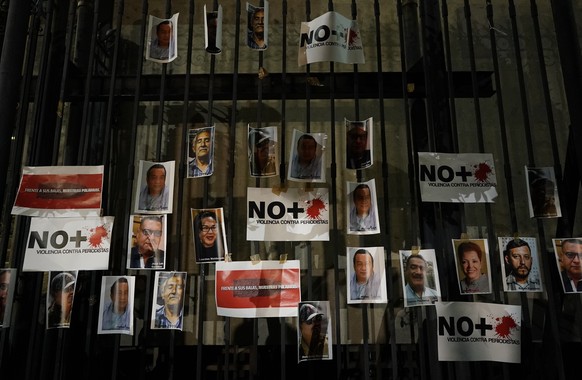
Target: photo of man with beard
{"x":519,"y":258}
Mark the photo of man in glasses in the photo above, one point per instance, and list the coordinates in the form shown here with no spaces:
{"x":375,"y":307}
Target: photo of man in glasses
{"x":209,"y":237}
{"x":149,"y":243}
{"x":569,"y":260}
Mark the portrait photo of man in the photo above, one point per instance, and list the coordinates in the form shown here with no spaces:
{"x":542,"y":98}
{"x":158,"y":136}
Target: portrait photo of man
{"x":60,"y":297}
{"x":519,"y":258}
{"x":258,"y":26}
{"x":200,"y":158}
{"x":209,"y":236}
{"x":7,"y":280}
{"x":168,"y":302}
{"x":263,"y":151}
{"x":472,"y":259}
{"x":362,"y":209}
{"x":147,"y":234}
{"x":358,"y":147}
{"x":314,"y":331}
{"x":367,"y":275}
{"x":163,"y":34}
{"x":542,"y":190}
{"x":420,"y":279}
{"x":569,"y":262}
{"x":116,"y":307}
{"x":156,"y":187}
{"x":307,"y":157}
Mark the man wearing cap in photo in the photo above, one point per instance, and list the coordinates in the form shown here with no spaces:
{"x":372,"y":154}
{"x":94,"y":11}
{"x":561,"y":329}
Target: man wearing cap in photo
{"x":262,"y":161}
{"x":313,"y":328}
{"x":62,"y":291}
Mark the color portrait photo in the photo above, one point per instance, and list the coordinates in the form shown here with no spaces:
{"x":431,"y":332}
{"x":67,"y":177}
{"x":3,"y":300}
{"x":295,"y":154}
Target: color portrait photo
{"x":208,"y":233}
{"x":162,"y":36}
{"x":155,"y":189}
{"x":116,"y":307}
{"x":366,"y":275}
{"x":519,"y":264}
{"x":472,"y":260}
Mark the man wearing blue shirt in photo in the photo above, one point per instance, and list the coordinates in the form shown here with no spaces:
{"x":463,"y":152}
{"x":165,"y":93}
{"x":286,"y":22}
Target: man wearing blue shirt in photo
{"x":117,"y":314}
{"x":169,"y":316}
{"x":306,"y":163}
{"x":365,"y":283}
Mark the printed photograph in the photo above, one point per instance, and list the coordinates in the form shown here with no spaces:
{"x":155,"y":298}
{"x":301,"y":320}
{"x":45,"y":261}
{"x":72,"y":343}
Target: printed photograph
{"x":314,"y":331}
{"x":367,"y":275}
{"x":258,"y":26}
{"x":542,"y":191}
{"x":147,"y":236}
{"x":7,"y":281}
{"x":569,"y":263}
{"x":213,"y":28}
{"x":116,"y":307}
{"x":472,"y":260}
{"x":168,"y":301}
{"x":60,"y":297}
{"x":307,"y":157}
{"x":420,"y":277}
{"x":362,"y":208}
{"x":263,"y":151}
{"x":201,"y":153}
{"x":359,"y":135}
{"x":155,"y":187}
{"x":162,"y":36}
{"x":520,"y":267}
{"x":209,"y":234}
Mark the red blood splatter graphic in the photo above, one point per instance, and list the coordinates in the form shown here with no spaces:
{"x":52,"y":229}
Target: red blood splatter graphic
{"x":482,"y":172}
{"x":98,"y":234}
{"x":504,"y":326}
{"x":313,"y":211}
{"x":353,"y":36}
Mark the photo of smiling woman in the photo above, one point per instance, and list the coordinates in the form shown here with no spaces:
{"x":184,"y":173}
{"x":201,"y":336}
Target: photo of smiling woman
{"x":208,"y":233}
{"x":472,"y":259}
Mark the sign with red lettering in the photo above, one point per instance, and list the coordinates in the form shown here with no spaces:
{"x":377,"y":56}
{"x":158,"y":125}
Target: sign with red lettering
{"x":65,"y":244}
{"x":59,"y":191}
{"x":265,"y":289}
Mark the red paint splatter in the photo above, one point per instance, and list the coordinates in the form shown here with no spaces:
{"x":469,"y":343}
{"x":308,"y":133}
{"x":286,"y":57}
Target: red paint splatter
{"x":503,"y":328}
{"x":482,"y":172}
{"x":313,"y":211}
{"x":98,"y":234}
{"x":352,"y":37}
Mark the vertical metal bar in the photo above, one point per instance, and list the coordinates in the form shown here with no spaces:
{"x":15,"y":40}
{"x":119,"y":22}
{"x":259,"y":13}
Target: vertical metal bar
{"x":110,"y":102}
{"x":85,"y":128}
{"x":386,"y":238}
{"x":501,"y":116}
{"x":232,"y":172}
{"x":449,"y":63}
{"x":61,"y":106}
{"x":283,"y":356}
{"x":130,"y":175}
{"x":479,"y":125}
{"x":41,"y":89}
{"x":183,"y":166}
